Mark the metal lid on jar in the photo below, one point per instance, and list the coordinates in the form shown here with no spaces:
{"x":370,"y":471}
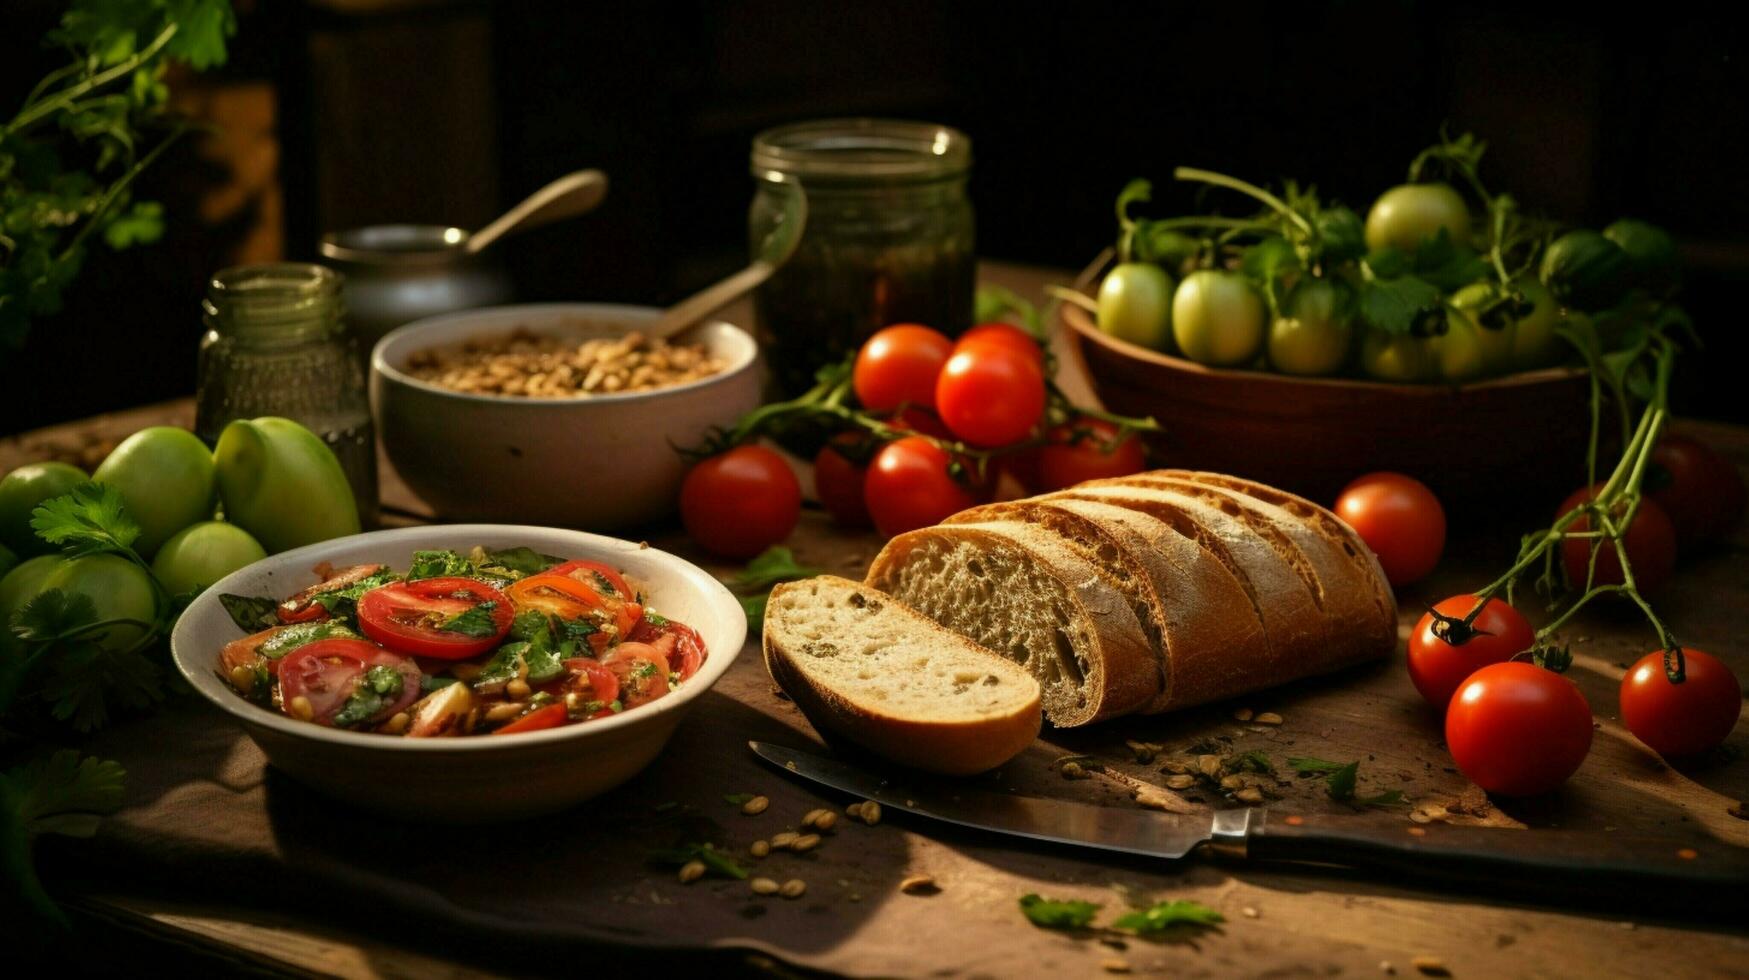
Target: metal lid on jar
{"x":396,"y":245}
{"x":861,"y":150}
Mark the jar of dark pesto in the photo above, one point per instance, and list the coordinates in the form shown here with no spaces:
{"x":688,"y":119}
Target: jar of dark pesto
{"x":888,"y":238}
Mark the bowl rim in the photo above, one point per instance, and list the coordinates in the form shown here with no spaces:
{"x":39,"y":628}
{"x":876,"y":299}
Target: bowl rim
{"x":744,"y":360}
{"x":1081,"y":324}
{"x":717,"y":662}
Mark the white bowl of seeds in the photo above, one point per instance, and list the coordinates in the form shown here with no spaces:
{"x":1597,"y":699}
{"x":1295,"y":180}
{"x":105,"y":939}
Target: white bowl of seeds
{"x":555,"y":413}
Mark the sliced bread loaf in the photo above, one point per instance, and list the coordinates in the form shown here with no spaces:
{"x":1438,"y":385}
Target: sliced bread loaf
{"x":864,"y":666}
{"x":1023,"y":592}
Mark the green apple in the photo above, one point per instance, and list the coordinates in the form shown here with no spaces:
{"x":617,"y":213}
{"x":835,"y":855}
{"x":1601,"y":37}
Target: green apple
{"x":21,"y":491}
{"x":282,"y":484}
{"x":118,"y":588}
{"x":201,"y":554}
{"x":165,"y":476}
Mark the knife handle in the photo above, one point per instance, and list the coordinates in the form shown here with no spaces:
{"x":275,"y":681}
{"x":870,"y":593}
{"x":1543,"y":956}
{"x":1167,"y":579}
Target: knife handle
{"x":1639,"y":870}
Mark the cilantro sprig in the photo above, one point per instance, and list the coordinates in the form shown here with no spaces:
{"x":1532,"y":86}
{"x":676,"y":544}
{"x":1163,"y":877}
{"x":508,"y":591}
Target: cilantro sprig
{"x":62,"y":793}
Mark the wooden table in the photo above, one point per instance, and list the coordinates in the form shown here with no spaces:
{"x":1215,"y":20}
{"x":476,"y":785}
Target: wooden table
{"x":1279,"y":923}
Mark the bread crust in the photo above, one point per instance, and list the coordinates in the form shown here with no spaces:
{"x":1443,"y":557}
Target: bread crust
{"x":1118,"y":665}
{"x":952,"y":747}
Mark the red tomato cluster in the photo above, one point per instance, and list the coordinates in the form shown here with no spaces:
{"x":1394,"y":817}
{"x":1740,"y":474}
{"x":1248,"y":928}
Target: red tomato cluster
{"x":987,"y":390}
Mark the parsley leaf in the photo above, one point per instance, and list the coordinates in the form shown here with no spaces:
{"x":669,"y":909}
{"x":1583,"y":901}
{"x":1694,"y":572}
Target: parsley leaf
{"x":252,"y":614}
{"x":1049,"y":913}
{"x":775,"y":564}
{"x":88,"y":520}
{"x":713,"y":859}
{"x":53,"y":614}
{"x":1396,"y":304}
{"x":1254,"y":761}
{"x":380,"y":686}
{"x":86,"y":681}
{"x":476,"y":622}
{"x":1162,"y":916}
{"x":1340,"y":785}
{"x":59,"y":794}
{"x":439,"y":564}
{"x":1341,"y":782}
{"x":736,"y":799}
{"x":527,"y":561}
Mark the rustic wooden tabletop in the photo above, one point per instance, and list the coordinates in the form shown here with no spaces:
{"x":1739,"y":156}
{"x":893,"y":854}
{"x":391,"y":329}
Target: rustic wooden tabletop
{"x":1278,"y":923}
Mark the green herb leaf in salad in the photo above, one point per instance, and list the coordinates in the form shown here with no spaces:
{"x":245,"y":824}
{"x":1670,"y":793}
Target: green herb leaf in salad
{"x":252,"y":614}
{"x":289,"y":638}
{"x":439,"y":564}
{"x":522,"y":561}
{"x":381,"y":686}
{"x":476,"y":621}
{"x":63,"y":793}
{"x":1049,"y":913}
{"x":1176,"y":914}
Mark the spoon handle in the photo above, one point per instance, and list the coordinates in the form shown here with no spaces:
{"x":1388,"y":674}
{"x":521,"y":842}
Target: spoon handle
{"x":567,"y":197}
{"x":700,"y":305}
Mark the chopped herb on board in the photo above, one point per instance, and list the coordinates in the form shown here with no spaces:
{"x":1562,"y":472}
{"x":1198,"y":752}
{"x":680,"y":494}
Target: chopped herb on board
{"x":714,"y":860}
{"x":1341,"y":782}
{"x":1048,"y":913}
{"x":736,"y":799}
{"x":1162,"y":916}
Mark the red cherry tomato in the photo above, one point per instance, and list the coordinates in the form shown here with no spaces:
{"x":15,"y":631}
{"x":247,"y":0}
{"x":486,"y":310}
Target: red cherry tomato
{"x":990,"y":394}
{"x":1438,"y":666}
{"x":1003,"y":335}
{"x":680,"y":643}
{"x":551,"y":716}
{"x":419,"y":618}
{"x":1084,"y":450}
{"x":1685,"y":719}
{"x":327,"y":672}
{"x":898,"y":366}
{"x":1650,"y":542}
{"x":908,"y":487}
{"x":1399,"y":519}
{"x":1701,"y":492}
{"x":1517,"y":729}
{"x":838,"y":480}
{"x":741,"y":502}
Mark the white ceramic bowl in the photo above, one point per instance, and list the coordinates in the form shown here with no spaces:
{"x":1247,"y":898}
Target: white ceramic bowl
{"x":603,"y":463}
{"x":476,"y":778}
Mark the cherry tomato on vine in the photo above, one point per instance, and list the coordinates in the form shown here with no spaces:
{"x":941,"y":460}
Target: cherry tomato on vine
{"x":1438,"y":667}
{"x":1650,"y":542}
{"x":1002,"y":335}
{"x":838,"y":480}
{"x":1399,"y":519}
{"x":1517,"y":729}
{"x":1135,"y":305}
{"x":1091,"y":456}
{"x":1701,"y":491}
{"x":1218,"y":318}
{"x":1685,"y":719}
{"x":737,"y":504}
{"x":990,"y":394}
{"x":908,"y":487}
{"x":899,"y":365}
{"x":1407,"y":215}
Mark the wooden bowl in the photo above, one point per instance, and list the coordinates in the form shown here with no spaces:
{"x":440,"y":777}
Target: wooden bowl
{"x":1522,"y":435}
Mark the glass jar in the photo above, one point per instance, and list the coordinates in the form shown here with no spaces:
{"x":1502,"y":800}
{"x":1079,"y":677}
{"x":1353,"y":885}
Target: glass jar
{"x":888,"y":239}
{"x":277,"y":344}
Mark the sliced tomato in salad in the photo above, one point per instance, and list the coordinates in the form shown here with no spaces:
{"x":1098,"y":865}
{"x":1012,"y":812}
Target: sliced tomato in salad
{"x":678,"y":642}
{"x":572,"y":598}
{"x":590,"y":681}
{"x":551,"y":716}
{"x":264,"y":650}
{"x":596,"y":575}
{"x":303,"y":607}
{"x":346,"y":683}
{"x":642,"y":672}
{"x":444,"y":618}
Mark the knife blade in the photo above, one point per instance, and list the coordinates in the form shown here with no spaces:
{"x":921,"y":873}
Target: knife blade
{"x":1706,"y":877}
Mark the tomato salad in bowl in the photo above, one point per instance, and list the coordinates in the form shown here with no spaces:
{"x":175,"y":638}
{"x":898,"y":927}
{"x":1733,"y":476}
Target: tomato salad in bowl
{"x":488,"y":642}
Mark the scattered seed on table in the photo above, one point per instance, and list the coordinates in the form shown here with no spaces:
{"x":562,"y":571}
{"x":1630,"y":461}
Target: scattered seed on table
{"x":1268,"y":718}
{"x":1073,"y":770}
{"x":691,"y":871}
{"x":1115,"y":965}
{"x":854,"y":810}
{"x":782,"y":840}
{"x":871,"y":813}
{"x":919,"y":885}
{"x":1248,"y":912}
{"x":1232,"y":782}
{"x":763,"y":886}
{"x":1182,"y":781}
{"x":1243,"y":714}
{"x":1249,"y":794}
{"x":1209,"y":764}
{"x":805,"y":842}
{"x":759,"y":848}
{"x":826,"y":820}
{"x":1431,"y":966}
{"x":793,"y":888}
{"x":755,"y":806}
{"x":1385,"y":966}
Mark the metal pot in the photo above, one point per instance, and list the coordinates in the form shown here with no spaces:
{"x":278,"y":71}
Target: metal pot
{"x":396,"y":274}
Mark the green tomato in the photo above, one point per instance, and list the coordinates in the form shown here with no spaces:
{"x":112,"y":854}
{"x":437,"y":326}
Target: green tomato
{"x":1585,"y":270}
{"x":1409,"y":214}
{"x":282,"y":484}
{"x":23,"y":583}
{"x":1397,"y":357}
{"x":1536,"y":343}
{"x":165,"y":476}
{"x":1135,"y":304}
{"x":8,"y":560}
{"x":20,"y":493}
{"x":1651,"y":252}
{"x":1217,"y":318}
{"x":200,"y":555}
{"x":1461,"y":353}
{"x":1487,"y":311}
{"x":1315,"y":331}
{"x":118,"y":588}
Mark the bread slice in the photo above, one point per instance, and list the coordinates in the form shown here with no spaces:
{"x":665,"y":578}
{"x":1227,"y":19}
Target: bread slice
{"x":1024,"y":593}
{"x":865,"y":666}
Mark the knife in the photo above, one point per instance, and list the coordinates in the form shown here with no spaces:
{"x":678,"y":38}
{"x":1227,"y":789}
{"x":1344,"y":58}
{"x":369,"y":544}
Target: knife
{"x":1646,"y":872}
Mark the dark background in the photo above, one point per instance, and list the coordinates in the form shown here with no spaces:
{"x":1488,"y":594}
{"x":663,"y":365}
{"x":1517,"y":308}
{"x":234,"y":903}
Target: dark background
{"x":448,"y":112}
